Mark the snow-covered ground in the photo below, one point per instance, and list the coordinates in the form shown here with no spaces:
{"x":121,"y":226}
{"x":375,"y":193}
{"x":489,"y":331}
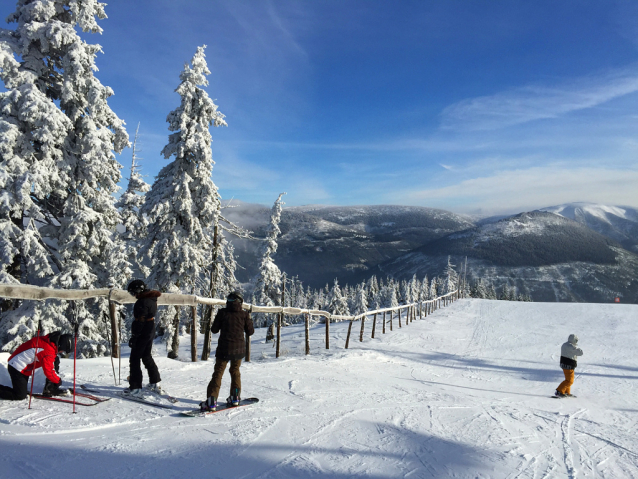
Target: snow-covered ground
{"x":464,"y":393}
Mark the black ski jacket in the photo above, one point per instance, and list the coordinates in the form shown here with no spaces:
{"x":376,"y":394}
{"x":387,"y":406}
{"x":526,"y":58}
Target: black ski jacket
{"x":233,"y":323}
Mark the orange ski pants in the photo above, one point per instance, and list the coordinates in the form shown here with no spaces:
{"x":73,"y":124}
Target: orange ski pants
{"x":565,"y":386}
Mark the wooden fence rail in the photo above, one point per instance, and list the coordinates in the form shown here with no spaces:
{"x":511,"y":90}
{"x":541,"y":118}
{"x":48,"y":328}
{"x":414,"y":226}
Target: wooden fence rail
{"x":118,"y":296}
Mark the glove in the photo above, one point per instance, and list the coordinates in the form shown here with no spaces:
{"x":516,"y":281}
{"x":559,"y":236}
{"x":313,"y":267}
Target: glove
{"x":131,"y":342}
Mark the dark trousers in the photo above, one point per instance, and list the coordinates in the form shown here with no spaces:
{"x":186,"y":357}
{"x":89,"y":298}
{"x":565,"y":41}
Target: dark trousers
{"x":19,"y":390}
{"x":215,"y":383}
{"x":141,"y":351}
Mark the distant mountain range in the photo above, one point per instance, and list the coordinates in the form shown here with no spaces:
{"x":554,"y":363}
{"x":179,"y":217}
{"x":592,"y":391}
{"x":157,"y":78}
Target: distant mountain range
{"x":573,"y":252}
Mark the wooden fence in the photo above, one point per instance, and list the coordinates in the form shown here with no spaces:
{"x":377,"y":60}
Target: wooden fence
{"x":118,"y":296}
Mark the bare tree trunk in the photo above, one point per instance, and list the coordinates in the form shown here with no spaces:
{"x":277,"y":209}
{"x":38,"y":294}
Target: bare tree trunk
{"x":194,"y":334}
{"x":174,"y":352}
{"x":115,"y":337}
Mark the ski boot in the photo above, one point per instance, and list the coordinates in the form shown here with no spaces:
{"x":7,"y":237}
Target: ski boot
{"x":53,"y":389}
{"x":559,"y":394}
{"x":155,"y":388}
{"x":209,"y":405}
{"x":135,"y":393}
{"x":233,"y":399}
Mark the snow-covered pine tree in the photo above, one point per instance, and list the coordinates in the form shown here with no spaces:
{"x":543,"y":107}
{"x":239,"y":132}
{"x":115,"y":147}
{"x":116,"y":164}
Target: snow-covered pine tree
{"x":130,"y":204}
{"x":77,"y":207}
{"x":360,"y":300}
{"x":372,"y":288}
{"x":491,"y":292}
{"x":434,"y":287}
{"x":268,"y":282}
{"x":338,"y":304}
{"x":451,"y":277}
{"x":183,"y":202}
{"x":424,"y":292}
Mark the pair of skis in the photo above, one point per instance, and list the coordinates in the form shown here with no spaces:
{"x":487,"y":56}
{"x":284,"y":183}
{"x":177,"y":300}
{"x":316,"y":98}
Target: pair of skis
{"x":89,"y":397}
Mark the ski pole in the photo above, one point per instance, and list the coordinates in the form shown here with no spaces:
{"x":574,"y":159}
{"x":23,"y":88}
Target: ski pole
{"x":75,"y":349}
{"x":35,"y":358}
{"x":108,"y":338}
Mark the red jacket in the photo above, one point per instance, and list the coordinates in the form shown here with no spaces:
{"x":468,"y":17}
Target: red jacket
{"x":22,"y":358}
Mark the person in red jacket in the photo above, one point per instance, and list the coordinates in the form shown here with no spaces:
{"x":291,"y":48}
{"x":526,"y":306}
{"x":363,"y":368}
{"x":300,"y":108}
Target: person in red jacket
{"x":26,"y":359}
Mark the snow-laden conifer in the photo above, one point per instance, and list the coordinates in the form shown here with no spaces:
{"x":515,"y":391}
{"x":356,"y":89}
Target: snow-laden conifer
{"x":268,"y":283}
{"x":130,"y":204}
{"x":451,"y":277}
{"x":183,"y":202}
{"x":76,"y":206}
{"x":338,"y":304}
{"x":360,"y":301}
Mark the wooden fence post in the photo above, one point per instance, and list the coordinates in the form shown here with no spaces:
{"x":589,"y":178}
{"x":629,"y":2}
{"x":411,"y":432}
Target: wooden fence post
{"x":374,"y":324}
{"x":307,"y":327}
{"x":278,"y":334}
{"x":174,"y":352}
{"x":348,"y":337}
{"x":363,"y":321}
{"x":327,"y":333}
{"x":194,"y":328}
{"x":399,"y":317}
{"x":391,"y":319}
{"x":115,"y":337}
{"x":384,"y":322}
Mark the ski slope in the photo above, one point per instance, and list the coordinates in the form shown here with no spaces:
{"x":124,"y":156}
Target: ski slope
{"x":463,"y":393}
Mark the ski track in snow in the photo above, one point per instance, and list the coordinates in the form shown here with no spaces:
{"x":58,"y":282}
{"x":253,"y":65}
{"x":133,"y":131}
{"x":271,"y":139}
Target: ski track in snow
{"x":462,"y":393}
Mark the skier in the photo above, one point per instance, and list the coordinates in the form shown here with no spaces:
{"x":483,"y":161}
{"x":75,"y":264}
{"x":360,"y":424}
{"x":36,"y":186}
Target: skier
{"x":233,"y":322}
{"x":25,"y":359}
{"x":142,"y":336}
{"x":568,"y":353}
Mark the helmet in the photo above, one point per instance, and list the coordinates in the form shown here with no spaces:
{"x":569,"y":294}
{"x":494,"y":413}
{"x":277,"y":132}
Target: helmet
{"x":136,"y":286}
{"x":235,"y":296}
{"x":573,"y":339}
{"x":65,"y":343}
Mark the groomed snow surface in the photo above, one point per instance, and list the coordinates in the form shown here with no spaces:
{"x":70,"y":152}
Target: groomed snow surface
{"x":463,"y":393}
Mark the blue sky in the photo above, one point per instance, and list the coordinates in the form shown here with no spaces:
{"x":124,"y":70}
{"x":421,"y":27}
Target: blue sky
{"x":472,"y":106}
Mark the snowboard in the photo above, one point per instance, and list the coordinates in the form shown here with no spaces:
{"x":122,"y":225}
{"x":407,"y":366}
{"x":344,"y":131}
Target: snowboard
{"x":220,"y":407}
{"x":563,"y":397}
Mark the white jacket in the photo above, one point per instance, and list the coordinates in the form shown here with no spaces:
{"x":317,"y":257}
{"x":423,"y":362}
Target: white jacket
{"x":569,"y":349}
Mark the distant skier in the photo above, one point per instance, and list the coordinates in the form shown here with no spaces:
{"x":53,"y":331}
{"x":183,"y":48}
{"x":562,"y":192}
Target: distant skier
{"x":568,"y":353}
{"x":142,"y":336}
{"x":233,"y":323}
{"x":21,"y":365}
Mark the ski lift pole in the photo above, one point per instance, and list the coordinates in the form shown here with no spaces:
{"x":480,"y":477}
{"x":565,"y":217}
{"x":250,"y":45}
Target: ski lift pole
{"x":35,"y":358}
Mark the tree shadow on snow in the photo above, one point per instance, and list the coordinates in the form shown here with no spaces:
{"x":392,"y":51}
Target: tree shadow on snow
{"x":453,"y":361}
{"x":394,"y":452}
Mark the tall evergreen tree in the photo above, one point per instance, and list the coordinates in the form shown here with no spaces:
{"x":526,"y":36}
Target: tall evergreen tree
{"x":77,"y":207}
{"x":130,"y":204}
{"x":268,"y":283}
{"x":183,"y":202}
{"x":338,"y":303}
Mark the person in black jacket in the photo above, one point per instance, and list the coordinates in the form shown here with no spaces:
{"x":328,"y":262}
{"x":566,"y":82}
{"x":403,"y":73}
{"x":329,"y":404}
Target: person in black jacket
{"x":232,"y":322}
{"x":142,"y":336}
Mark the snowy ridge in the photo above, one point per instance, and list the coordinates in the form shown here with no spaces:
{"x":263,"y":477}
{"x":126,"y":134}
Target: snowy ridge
{"x":462,"y":394}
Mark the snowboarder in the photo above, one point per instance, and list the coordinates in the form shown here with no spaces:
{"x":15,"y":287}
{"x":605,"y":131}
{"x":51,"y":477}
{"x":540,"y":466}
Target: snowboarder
{"x":142,"y":336}
{"x":233,"y":322}
{"x":568,"y":353}
{"x":26,"y":359}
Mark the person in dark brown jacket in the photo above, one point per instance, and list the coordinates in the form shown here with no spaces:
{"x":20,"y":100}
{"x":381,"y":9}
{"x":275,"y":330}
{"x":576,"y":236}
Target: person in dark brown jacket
{"x":232,"y":323}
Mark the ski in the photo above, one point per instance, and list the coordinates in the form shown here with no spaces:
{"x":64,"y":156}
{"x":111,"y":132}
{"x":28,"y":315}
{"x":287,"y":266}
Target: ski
{"x":164,"y":395}
{"x":220,"y":407}
{"x":70,"y":401}
{"x":141,"y":400}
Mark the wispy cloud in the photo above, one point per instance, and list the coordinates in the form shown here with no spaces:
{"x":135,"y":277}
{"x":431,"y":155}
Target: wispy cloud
{"x":536,"y":102}
{"x":525,"y":189}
